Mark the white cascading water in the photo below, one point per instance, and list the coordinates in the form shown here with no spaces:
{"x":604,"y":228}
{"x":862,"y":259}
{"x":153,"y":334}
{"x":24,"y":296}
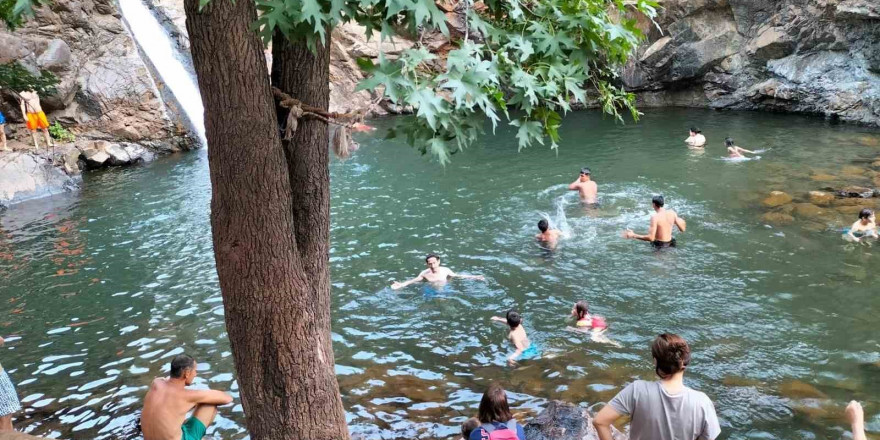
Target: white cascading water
{"x":156,"y":44}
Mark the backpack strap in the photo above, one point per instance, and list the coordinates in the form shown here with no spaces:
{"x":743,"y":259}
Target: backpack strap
{"x":511,"y":425}
{"x":489,"y":427}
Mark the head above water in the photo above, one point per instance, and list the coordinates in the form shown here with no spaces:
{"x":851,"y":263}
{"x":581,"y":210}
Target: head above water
{"x":585,"y":171}
{"x":493,"y":406}
{"x":671,"y":355}
{"x":183,"y":367}
{"x":543,"y":225}
{"x":695,"y":131}
{"x":728,"y":142}
{"x":865,"y":214}
{"x":513,"y":319}
{"x":658,"y":201}
{"x":433,"y":261}
{"x":581,"y":309}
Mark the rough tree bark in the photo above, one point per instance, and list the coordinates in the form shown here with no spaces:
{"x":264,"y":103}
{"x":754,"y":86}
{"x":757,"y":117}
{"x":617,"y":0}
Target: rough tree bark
{"x":270,"y":225}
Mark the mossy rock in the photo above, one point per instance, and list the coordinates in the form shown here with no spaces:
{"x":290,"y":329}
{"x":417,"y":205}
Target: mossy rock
{"x":852,"y":171}
{"x":777,"y":218}
{"x":796,"y":389}
{"x":776,"y":198}
{"x":821,"y":198}
{"x":807,"y":210}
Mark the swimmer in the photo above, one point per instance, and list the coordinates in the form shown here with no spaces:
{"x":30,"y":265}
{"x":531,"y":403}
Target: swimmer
{"x":435,"y":273}
{"x":865,"y":226}
{"x":587,"y":189}
{"x":517,"y":335}
{"x":696,"y":138}
{"x":662,"y":222}
{"x":733,"y":151}
{"x":586,"y":323}
{"x":547,"y":235}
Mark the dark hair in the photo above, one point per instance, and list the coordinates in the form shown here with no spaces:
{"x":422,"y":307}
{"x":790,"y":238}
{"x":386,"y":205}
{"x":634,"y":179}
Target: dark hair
{"x":695,"y":130}
{"x":865,"y":213}
{"x":658,"y":201}
{"x":513,"y":319}
{"x":585,"y":170}
{"x":180,"y":364}
{"x":468,"y":426}
{"x":431,"y":256}
{"x":582,"y":308}
{"x":493,"y":406}
{"x":672,"y":354}
{"x":728,"y":142}
{"x":543,"y":225}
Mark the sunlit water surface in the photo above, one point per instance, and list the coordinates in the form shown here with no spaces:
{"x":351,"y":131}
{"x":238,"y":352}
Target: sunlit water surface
{"x":105,"y":286}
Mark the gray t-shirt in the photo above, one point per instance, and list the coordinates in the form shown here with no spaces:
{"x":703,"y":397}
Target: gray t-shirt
{"x":658,"y":415}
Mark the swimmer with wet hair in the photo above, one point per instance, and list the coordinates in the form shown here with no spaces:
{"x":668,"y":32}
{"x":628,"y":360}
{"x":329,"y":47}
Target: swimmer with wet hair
{"x":660,"y":230}
{"x":517,"y":337}
{"x":547,"y":235}
{"x":435,"y":273}
{"x":586,"y":187}
{"x":864,"y":227}
{"x":593,"y":324}
{"x":733,"y":151}
{"x":695,"y":138}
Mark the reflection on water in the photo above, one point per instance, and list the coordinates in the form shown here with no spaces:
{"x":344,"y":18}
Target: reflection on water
{"x":104,"y":287}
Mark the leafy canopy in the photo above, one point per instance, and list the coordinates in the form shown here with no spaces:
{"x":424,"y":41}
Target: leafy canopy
{"x":12,"y":12}
{"x":18,"y":79}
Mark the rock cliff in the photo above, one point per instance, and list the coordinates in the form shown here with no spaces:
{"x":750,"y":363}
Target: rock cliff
{"x":807,"y":56}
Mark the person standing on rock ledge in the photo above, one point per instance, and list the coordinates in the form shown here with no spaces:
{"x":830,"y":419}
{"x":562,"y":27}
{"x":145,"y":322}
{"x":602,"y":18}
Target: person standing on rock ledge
{"x":665,"y":409}
{"x":34,"y":117}
{"x":696,"y":138}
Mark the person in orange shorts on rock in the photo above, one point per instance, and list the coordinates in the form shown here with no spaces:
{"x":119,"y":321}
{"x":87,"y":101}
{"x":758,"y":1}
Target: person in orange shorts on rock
{"x":34,"y":117}
{"x":3,"y":146}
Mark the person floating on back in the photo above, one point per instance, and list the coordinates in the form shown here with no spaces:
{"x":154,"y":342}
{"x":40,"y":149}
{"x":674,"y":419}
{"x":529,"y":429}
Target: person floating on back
{"x":547,"y":235}
{"x":864,"y":227}
{"x":168,"y":401}
{"x":435,"y":273}
{"x":518,"y":337}
{"x":664,"y":409}
{"x":592,"y":324}
{"x":586,"y":188}
{"x":660,"y":231}
{"x":695,"y":138}
{"x":497,"y":423}
{"x":735,"y":152}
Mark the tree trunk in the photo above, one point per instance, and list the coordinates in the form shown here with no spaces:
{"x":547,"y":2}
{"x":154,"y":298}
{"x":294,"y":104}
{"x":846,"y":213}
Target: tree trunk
{"x":270,"y":230}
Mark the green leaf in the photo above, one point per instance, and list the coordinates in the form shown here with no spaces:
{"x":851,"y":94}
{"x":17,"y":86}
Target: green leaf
{"x":522,"y":47}
{"x":388,"y":74}
{"x":429,"y":105}
{"x":528,"y":132}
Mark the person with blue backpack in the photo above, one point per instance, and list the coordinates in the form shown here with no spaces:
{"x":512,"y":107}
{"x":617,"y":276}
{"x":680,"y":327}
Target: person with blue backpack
{"x":496,"y":421}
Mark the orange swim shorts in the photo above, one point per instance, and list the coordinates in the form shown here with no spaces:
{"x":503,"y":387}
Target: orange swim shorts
{"x":37,"y":120}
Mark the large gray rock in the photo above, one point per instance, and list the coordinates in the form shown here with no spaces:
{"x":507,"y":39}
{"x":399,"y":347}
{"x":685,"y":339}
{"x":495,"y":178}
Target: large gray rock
{"x":25,"y":176}
{"x":564,"y":421}
{"x":56,"y":57}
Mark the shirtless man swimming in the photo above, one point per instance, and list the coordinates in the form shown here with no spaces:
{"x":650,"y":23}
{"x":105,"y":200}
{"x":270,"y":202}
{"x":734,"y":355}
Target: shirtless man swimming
{"x":695,"y":138}
{"x":168,"y":401}
{"x":547,"y":235}
{"x":864,"y":227}
{"x":587,"y":189}
{"x":660,"y":231}
{"x":733,"y":151}
{"x":517,"y":335}
{"x":435,"y":273}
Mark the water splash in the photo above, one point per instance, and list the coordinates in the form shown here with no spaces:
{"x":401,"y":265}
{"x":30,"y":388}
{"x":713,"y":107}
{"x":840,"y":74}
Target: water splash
{"x":152,"y":38}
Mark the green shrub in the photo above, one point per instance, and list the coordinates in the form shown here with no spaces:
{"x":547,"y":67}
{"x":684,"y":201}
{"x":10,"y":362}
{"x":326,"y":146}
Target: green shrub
{"x":60,"y":133}
{"x":16,"y":78}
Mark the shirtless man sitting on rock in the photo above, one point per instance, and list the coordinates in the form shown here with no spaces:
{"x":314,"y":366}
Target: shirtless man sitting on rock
{"x":435,"y":273}
{"x":168,"y":401}
{"x":660,"y":232}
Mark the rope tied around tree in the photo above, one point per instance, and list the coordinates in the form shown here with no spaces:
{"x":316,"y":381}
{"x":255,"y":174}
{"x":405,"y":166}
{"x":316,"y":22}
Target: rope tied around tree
{"x":340,"y":139}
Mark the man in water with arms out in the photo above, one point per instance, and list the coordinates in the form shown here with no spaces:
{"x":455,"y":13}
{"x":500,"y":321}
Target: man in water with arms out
{"x":660,"y":232}
{"x":167,"y":402}
{"x":587,"y":189}
{"x":435,"y":273}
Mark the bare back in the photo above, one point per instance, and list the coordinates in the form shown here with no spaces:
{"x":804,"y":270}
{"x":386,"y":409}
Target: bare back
{"x":588,"y":191}
{"x":165,"y":409}
{"x":664,"y":220}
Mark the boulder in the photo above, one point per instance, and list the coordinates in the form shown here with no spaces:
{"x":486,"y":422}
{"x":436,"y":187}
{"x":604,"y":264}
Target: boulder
{"x":118,"y":155}
{"x":777,"y":218}
{"x":796,"y":389}
{"x":776,"y":198}
{"x":807,"y":210}
{"x":821,"y":198}
{"x":855,"y":191}
{"x":138,"y":153}
{"x":56,"y":57}
{"x":564,"y":421}
{"x":25,"y":176}
{"x":770,"y":44}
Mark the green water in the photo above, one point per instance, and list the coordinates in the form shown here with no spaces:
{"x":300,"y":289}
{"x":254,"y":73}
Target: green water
{"x":104,"y":286}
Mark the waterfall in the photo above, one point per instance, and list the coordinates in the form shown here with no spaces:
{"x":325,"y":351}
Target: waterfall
{"x":155,"y":43}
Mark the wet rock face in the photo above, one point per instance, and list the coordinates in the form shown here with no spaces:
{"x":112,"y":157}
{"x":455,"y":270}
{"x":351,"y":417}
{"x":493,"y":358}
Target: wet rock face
{"x":105,"y":90}
{"x":25,"y":176}
{"x":810,"y":56}
{"x":564,"y":421}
